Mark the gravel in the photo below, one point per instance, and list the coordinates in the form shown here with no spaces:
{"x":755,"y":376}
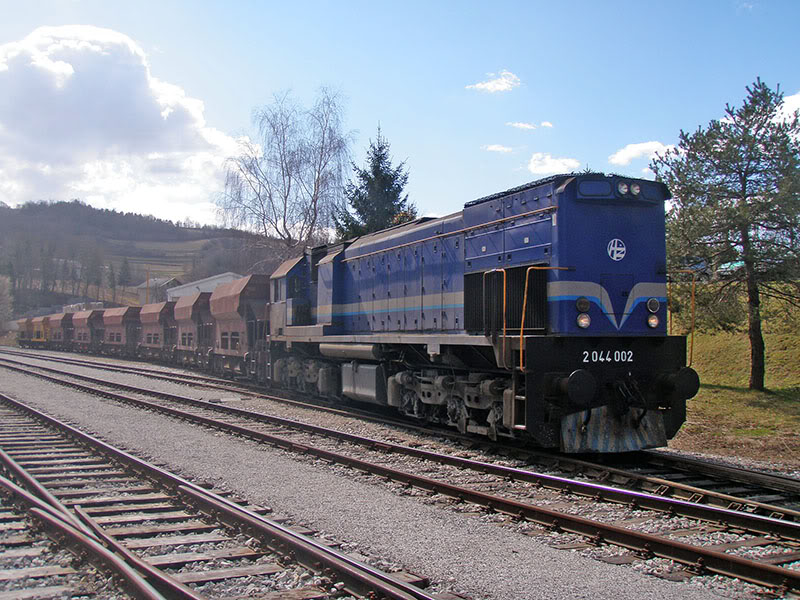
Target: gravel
{"x":470,"y":553}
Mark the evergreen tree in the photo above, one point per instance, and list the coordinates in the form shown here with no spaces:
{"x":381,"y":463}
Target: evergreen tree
{"x":736,"y":200}
{"x":376,"y":200}
{"x":112,"y":281}
{"x":124,"y":278}
{"x":74,"y":279}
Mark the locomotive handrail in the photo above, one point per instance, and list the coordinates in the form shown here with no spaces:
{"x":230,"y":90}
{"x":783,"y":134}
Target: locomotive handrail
{"x":449,"y":233}
{"x":525,"y":305}
{"x":694,"y":283}
{"x":485,"y":315}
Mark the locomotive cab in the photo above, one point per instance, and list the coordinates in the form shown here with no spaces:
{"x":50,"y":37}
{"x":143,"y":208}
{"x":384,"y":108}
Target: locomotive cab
{"x":607,"y":373}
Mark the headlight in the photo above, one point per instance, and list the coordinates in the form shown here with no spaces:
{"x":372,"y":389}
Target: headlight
{"x":622,"y":188}
{"x":584,"y":320}
{"x":635,"y":189}
{"x":653,"y":305}
{"x":652,"y":321}
{"x":582,"y":304}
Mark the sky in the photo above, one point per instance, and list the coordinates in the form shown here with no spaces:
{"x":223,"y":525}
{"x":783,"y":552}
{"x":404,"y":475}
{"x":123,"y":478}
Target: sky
{"x":135,"y":106}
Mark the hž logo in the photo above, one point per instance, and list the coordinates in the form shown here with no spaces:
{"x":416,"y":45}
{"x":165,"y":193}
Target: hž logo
{"x":616,"y":249}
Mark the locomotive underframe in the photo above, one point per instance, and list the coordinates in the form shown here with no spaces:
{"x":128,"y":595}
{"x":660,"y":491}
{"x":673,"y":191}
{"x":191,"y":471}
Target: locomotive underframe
{"x":638,"y":385}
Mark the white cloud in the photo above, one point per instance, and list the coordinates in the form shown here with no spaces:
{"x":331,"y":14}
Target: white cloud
{"x":790,"y":104}
{"x":519,"y":125}
{"x":505,"y":81}
{"x":81,"y":116}
{"x":546,"y":124}
{"x":496,"y":148}
{"x":625,"y":155}
{"x":544,"y":164}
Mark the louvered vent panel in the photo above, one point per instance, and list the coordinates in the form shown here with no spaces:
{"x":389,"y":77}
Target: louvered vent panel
{"x":483,"y":301}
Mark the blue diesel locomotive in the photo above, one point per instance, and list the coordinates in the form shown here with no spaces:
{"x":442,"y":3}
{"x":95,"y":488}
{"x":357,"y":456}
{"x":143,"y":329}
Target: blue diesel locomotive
{"x":537,"y":313}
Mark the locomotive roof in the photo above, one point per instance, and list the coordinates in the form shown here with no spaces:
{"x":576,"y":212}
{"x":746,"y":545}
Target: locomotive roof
{"x":397,"y":231}
{"x":544,"y":181}
{"x":527,"y":186}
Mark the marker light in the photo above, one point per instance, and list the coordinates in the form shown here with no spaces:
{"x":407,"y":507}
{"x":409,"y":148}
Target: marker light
{"x":582,"y":304}
{"x":635,"y":189}
{"x":584,"y":320}
{"x":652,"y":321}
{"x":653,"y":305}
{"x":622,"y":188}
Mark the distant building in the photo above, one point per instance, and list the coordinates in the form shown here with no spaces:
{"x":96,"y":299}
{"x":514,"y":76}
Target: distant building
{"x":203,"y":285}
{"x":155,"y":289}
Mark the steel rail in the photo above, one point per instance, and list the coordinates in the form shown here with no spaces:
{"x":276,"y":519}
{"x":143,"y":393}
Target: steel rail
{"x":658,"y":486}
{"x":211,"y":382}
{"x":361,"y":578}
{"x":32,"y":485}
{"x":170,"y":586}
{"x":663,"y":487}
{"x":767,"y":480}
{"x":79,"y":541}
{"x":699,"y":559}
{"x":788,"y":530}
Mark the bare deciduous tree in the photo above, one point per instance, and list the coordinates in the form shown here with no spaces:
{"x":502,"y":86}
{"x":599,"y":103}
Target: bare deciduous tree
{"x":286,"y":184}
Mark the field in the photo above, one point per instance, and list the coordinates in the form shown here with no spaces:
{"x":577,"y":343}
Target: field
{"x":729,"y":419}
{"x":161,"y":259}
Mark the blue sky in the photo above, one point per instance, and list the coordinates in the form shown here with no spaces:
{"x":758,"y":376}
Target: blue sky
{"x":582,"y":81}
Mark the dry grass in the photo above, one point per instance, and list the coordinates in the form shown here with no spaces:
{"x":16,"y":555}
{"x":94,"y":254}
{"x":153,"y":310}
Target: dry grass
{"x":729,"y":419}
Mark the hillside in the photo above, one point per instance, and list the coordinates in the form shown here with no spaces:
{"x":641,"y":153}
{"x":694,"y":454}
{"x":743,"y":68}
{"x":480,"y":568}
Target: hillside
{"x":62,"y":251}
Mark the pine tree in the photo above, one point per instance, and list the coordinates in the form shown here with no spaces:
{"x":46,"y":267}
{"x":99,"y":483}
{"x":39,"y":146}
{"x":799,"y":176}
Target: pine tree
{"x":112,"y":281}
{"x":736,"y":200}
{"x":375,"y":198}
{"x":124,"y":278}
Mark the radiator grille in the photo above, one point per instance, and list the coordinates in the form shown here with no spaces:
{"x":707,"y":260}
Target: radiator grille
{"x":483,"y":301}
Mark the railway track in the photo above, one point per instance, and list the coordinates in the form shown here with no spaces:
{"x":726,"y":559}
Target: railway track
{"x":45,"y":555}
{"x":186,"y":541}
{"x":653,"y":472}
{"x":553,"y":503}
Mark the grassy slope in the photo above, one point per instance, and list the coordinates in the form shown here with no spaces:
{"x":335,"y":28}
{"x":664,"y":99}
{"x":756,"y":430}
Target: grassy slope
{"x":727,"y":418}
